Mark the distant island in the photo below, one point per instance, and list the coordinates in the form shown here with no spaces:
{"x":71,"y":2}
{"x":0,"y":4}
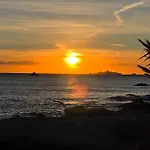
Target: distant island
{"x":112,"y":73}
{"x":33,"y":74}
{"x":109,"y":73}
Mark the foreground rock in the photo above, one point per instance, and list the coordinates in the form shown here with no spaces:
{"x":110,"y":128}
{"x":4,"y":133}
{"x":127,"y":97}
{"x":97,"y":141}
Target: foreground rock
{"x":141,"y":84}
{"x":87,"y":129}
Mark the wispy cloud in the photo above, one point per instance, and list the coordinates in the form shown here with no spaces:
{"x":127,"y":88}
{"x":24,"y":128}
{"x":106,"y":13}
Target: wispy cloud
{"x":118,"y":45}
{"x":60,"y":46}
{"x":18,"y":63}
{"x":125,"y":8}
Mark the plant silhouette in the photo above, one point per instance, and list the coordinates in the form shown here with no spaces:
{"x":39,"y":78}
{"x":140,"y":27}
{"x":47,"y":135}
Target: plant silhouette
{"x":145,"y":56}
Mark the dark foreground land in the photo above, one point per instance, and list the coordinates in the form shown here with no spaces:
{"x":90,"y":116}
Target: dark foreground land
{"x":127,"y":129}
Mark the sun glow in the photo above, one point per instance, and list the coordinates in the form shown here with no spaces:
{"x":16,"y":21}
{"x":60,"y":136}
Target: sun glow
{"x":72,"y":59}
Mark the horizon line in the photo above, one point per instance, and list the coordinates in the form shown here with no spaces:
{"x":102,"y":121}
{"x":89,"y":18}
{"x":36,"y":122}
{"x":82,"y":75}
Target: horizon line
{"x":72,"y":74}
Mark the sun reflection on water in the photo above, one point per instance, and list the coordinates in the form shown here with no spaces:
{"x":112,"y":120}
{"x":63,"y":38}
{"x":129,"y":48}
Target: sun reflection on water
{"x":77,"y":92}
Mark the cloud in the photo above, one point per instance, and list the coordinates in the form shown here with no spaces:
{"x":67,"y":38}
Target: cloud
{"x":125,"y":8}
{"x":26,"y":62}
{"x":118,"y":45}
{"x":115,"y":41}
{"x":49,"y":24}
{"x":60,"y":46}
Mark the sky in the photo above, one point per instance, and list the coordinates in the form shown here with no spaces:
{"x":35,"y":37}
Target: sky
{"x":35,"y":35}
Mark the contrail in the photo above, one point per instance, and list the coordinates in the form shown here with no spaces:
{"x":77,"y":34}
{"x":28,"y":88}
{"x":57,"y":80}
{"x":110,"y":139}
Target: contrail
{"x":125,"y":8}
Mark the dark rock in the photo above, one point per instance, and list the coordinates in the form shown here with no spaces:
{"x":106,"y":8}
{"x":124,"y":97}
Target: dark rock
{"x":138,"y":106}
{"x":33,"y":74}
{"x":141,"y":84}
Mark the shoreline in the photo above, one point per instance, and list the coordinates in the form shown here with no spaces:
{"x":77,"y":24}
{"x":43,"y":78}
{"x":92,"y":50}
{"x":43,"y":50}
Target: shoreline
{"x":94,"y":129}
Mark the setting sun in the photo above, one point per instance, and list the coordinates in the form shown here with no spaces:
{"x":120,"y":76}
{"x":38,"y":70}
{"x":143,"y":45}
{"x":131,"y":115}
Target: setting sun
{"x":72,"y":59}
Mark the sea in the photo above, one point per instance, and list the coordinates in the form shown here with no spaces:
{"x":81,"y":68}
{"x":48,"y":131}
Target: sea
{"x":22,"y":94}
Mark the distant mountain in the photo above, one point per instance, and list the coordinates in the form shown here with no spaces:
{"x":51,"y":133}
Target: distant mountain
{"x":109,"y":73}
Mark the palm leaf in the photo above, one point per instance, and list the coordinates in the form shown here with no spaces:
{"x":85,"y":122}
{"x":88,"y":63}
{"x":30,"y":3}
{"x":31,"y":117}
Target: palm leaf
{"x":143,"y":56}
{"x":144,"y":69}
{"x":147,"y":41}
{"x":147,"y":58}
{"x":147,"y":50}
{"x":144,"y":44}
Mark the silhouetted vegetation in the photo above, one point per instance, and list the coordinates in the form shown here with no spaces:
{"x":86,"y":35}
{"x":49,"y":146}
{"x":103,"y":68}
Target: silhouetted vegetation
{"x":145,"y":56}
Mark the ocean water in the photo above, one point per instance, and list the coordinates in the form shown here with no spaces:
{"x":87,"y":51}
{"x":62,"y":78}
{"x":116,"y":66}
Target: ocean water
{"x":23,"y":94}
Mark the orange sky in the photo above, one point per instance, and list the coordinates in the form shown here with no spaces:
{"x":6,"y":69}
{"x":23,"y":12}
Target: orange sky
{"x":51,"y":61}
{"x":36,"y":35}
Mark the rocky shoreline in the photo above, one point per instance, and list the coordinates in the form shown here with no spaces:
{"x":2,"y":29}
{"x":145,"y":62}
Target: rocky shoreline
{"x":81,"y":128}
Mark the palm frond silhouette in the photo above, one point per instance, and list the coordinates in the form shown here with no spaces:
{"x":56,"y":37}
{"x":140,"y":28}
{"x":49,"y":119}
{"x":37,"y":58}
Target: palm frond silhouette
{"x":145,"y":56}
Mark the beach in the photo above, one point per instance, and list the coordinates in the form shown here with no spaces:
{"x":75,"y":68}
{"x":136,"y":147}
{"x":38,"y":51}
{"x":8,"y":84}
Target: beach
{"x":123,"y":130}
